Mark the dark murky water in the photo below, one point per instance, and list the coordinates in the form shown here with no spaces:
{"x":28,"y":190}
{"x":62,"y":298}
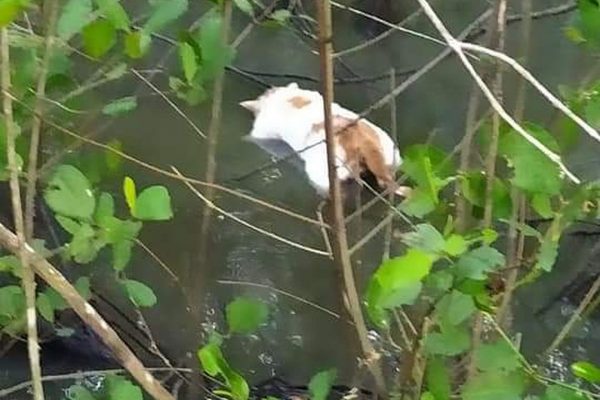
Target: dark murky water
{"x":301,"y":339}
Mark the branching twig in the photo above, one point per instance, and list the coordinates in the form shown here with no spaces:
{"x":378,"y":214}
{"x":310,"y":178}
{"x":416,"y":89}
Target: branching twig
{"x":457,"y":47}
{"x":88,"y":314}
{"x":27,"y":277}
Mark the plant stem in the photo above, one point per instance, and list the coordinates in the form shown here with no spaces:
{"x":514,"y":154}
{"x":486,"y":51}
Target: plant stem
{"x":341,"y":253}
{"x":515,"y":237}
{"x":50,"y":6}
{"x":215,"y":126}
{"x":27,"y":277}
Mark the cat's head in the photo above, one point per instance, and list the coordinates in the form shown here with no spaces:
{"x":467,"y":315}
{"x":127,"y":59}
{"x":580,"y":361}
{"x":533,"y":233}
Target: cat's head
{"x":274,"y":94}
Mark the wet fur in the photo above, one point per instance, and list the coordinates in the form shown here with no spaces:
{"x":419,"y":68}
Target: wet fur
{"x":295,"y":116}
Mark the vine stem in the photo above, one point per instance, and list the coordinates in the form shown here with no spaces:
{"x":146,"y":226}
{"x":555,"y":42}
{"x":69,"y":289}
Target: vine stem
{"x":27,"y":277}
{"x":342,"y":254}
{"x":87,"y":313}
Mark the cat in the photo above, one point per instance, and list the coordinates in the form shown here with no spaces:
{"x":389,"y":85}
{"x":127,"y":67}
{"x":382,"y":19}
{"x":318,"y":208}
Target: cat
{"x":296,"y":117}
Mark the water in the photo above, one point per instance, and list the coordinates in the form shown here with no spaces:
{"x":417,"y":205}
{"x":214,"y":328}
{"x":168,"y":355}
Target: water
{"x":300,"y":339}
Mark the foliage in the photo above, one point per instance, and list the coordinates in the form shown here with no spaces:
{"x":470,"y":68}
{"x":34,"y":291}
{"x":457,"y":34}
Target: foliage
{"x":114,"y":388}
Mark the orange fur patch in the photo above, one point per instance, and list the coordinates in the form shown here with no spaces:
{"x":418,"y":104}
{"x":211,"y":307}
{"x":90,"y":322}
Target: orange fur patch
{"x":299,"y":101}
{"x":362,"y":147}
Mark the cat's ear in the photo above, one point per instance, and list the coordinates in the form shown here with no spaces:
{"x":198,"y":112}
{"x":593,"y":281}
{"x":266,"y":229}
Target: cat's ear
{"x":293,"y":85}
{"x":250,"y":105}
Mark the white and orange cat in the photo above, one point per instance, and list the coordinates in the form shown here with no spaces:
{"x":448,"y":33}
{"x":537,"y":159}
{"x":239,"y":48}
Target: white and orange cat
{"x":296,"y":116}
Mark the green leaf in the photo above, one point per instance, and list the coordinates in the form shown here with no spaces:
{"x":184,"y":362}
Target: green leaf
{"x":213,"y":363}
{"x":396,"y":282}
{"x":280,"y":16}
{"x":589,"y":21}
{"x":555,"y":392}
{"x":120,"y":106}
{"x":68,"y":224}
{"x":429,"y":167}
{"x":121,"y":254}
{"x":75,"y":15}
{"x":12,"y":302}
{"x":115,"y":230}
{"x":477,"y":262}
{"x":83,"y":246}
{"x":497,"y":356}
{"x":474,"y":189}
{"x":455,"y":307}
{"x":130,"y":193}
{"x":83,"y":287}
{"x":164,"y":13}
{"x":105,"y":208}
{"x":533,"y":171}
{"x":245,"y":6}
{"x":78,"y":392}
{"x":115,"y":13}
{"x":320,"y":384}
{"x":245,"y":315}
{"x":494,"y":386}
{"x":541,"y":205}
{"x":136,"y":44}
{"x":140,"y":294}
{"x":438,"y":379}
{"x":119,"y":388}
{"x":211,"y":359}
{"x":187,"y":56}
{"x":153,"y":204}
{"x":216,"y":53}
{"x":450,"y":341}
{"x":547,"y":254}
{"x":69,"y":193}
{"x":425,"y":237}
{"x":10,"y":264}
{"x":592,"y":112}
{"x":56,"y":300}
{"x":586,"y":370}
{"x":44,"y":307}
{"x":455,"y":245}
{"x":99,"y":37}
{"x":10,"y":9}
{"x":418,"y":204}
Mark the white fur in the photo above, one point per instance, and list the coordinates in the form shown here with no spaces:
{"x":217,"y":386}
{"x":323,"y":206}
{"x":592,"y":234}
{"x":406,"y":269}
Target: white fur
{"x":277,"y":118}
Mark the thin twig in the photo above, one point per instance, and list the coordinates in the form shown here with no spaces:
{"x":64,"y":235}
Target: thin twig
{"x":341,"y":254}
{"x":235,"y":218}
{"x":378,"y":38}
{"x":156,"y":258}
{"x":37,"y":121}
{"x":514,"y":235}
{"x":210,"y":169}
{"x":457,"y":47}
{"x":169,"y":102}
{"x":371,"y":234}
{"x":536,"y":84}
{"x":575,"y":317}
{"x":27,"y":277}
{"x":284,"y":293}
